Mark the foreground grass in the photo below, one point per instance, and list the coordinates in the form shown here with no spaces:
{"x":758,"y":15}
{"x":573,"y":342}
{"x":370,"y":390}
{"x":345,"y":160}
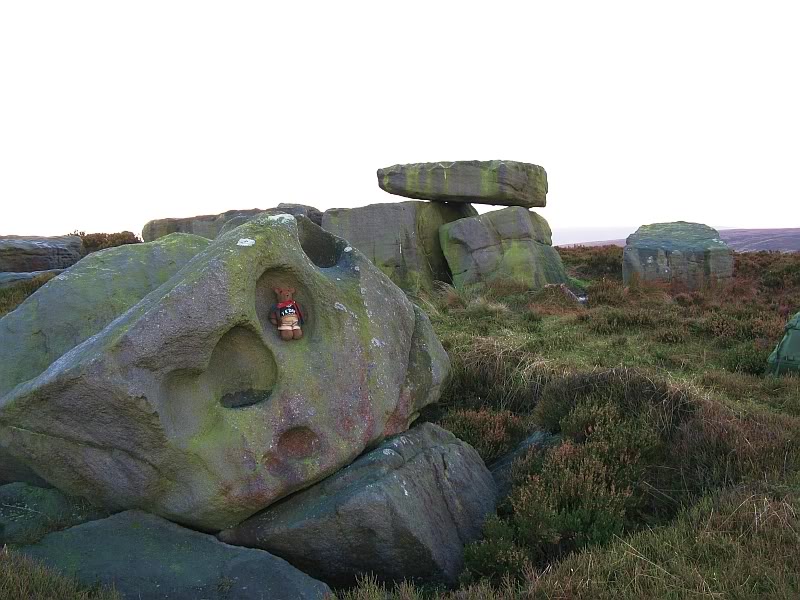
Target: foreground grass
{"x":740,"y":543}
{"x":22,"y":578}
{"x":13,"y":296}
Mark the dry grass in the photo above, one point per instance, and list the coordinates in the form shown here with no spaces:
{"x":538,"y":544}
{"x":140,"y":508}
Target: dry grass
{"x":22,"y":578}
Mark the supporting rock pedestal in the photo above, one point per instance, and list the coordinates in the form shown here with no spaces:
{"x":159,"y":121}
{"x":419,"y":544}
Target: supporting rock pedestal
{"x":402,"y":511}
{"x":400,"y":238}
{"x":512,"y":243}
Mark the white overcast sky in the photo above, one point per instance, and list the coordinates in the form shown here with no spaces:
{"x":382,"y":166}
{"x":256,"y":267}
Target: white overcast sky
{"x":114,"y":113}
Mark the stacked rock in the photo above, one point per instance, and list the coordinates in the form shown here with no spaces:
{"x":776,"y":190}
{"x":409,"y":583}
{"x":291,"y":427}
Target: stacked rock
{"x":25,"y":258}
{"x":212,"y":226}
{"x":444,"y":239}
{"x":688,"y":254}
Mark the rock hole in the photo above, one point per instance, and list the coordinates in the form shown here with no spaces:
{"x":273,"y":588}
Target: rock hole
{"x":244,"y":398}
{"x":241,"y":372}
{"x":323,"y":248}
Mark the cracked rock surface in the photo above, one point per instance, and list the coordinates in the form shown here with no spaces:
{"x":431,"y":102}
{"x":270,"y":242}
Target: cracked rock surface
{"x":20,"y":254}
{"x":402,"y":511}
{"x":183,"y":400}
{"x":512,"y":243}
{"x":400,"y":238}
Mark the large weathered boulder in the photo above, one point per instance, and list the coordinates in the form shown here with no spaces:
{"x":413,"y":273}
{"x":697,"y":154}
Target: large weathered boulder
{"x":400,"y":238}
{"x":512,"y":243}
{"x":212,"y":226}
{"x":28,"y":513}
{"x":690,"y":254}
{"x":504,"y":182}
{"x":19,"y":254}
{"x":190,"y":406}
{"x":146,"y":557}
{"x":402,"y":511}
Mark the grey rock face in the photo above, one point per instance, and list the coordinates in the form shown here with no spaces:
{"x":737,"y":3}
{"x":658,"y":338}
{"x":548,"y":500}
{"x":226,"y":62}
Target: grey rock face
{"x":207,"y":226}
{"x":298,"y":210}
{"x":213,"y":226}
{"x":690,"y":254}
{"x":19,"y":254}
{"x":512,"y":243}
{"x":505,"y":182}
{"x":400,"y":238}
{"x":187,"y":403}
{"x":403,"y":511}
{"x":148,"y":558}
{"x":28,"y":513}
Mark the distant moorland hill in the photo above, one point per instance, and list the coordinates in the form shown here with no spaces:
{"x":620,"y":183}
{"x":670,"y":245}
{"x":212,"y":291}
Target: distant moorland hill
{"x":741,"y":240}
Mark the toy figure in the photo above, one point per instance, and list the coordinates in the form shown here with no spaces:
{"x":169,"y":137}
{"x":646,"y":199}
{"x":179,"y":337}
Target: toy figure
{"x":287,"y":315}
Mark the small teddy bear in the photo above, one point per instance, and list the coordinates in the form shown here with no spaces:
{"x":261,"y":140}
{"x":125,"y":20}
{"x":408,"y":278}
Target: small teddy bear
{"x":286,"y":315}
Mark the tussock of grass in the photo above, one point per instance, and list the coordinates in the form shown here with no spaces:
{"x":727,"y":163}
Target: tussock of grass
{"x":496,"y":372}
{"x":21,"y":577}
{"x":13,"y":296}
{"x":493,"y":433}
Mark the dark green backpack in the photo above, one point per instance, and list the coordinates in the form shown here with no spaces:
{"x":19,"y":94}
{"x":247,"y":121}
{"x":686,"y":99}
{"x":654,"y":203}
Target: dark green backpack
{"x":786,"y":356}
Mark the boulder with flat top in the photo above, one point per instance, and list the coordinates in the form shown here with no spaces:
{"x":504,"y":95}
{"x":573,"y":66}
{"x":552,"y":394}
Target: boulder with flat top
{"x":690,"y":255}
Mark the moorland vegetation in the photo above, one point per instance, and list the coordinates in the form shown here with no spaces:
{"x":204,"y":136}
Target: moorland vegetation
{"x":675,"y":467}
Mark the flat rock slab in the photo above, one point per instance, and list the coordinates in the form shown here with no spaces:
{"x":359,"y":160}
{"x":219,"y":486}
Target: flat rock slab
{"x":19,"y":254}
{"x":513,"y":243}
{"x":149,"y":558}
{"x":181,"y":398}
{"x":505,"y":182}
{"x":402,"y":511}
{"x":28,"y":513}
{"x":689,"y":254}
{"x":212,"y":226}
{"x":400,"y":238}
